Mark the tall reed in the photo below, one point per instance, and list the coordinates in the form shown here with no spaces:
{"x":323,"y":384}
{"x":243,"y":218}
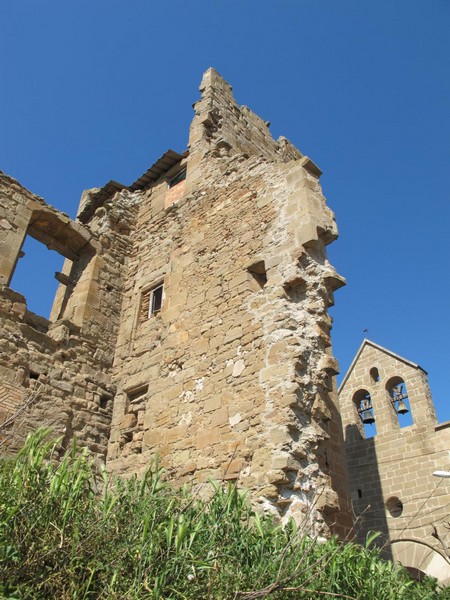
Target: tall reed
{"x":69,"y":532}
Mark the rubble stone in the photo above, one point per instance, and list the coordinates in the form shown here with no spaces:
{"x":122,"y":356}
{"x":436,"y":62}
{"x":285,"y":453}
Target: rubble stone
{"x":191,"y":318}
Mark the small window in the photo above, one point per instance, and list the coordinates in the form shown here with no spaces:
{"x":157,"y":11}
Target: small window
{"x":152,"y":301}
{"x":137,"y":395}
{"x":181,"y":176}
{"x":394,"y":507}
{"x":156,"y":300}
{"x":374,"y":375}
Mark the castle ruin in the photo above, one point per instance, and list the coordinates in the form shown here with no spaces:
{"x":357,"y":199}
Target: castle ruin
{"x":191,"y":323}
{"x":191,"y":320}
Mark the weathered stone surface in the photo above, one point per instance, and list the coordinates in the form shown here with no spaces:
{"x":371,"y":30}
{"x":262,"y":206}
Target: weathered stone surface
{"x":225,"y":371}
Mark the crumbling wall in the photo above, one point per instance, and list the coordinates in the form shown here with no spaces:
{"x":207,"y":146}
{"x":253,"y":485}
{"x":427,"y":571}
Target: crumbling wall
{"x":57,"y":373}
{"x":194,"y":310}
{"x":233,"y":378}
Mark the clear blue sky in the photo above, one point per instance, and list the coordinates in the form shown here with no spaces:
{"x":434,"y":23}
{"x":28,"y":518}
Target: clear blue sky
{"x":93,"y":90}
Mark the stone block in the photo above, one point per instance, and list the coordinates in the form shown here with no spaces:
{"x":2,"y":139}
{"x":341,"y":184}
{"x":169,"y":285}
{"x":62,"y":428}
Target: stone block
{"x":208,"y":438}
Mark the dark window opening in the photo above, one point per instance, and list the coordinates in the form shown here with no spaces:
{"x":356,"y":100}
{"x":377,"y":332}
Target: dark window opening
{"x":34,"y":375}
{"x":157,"y":298}
{"x":374,"y":375}
{"x":127,"y":437}
{"x":394,"y":507}
{"x":359,"y":494}
{"x":137,"y":395}
{"x":103,"y":401}
{"x":258,"y":271}
{"x":181,"y":176}
{"x":34,"y":276}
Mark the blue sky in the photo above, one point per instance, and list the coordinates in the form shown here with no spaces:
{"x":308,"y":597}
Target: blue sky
{"x":97,"y":90}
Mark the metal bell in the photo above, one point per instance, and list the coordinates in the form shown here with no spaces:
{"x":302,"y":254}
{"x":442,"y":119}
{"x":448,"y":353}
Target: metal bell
{"x":402,"y":408}
{"x":367,"y":417}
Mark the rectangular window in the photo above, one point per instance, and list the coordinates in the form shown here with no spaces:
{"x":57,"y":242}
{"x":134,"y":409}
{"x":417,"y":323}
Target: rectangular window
{"x":137,"y":395}
{"x":156,"y":300}
{"x":175,"y":188}
{"x":152,"y":301}
{"x":181,"y":176}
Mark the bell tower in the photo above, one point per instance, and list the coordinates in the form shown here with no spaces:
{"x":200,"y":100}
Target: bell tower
{"x":393,"y":445}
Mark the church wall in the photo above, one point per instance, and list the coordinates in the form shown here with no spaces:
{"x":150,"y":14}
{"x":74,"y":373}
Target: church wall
{"x":392,"y":485}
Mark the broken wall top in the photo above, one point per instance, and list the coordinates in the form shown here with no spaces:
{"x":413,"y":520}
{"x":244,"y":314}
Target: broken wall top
{"x":221,"y":124}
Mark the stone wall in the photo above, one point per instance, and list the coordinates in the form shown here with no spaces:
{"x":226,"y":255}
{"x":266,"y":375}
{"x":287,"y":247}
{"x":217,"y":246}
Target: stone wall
{"x":391,"y":474}
{"x":232,"y":379}
{"x":193,"y":311}
{"x":56,"y":373}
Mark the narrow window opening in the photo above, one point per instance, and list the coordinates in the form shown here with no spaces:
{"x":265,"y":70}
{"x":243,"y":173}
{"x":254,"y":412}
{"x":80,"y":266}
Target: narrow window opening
{"x":34,"y":276}
{"x":359,"y":493}
{"x":132,"y":425}
{"x":394,"y":507}
{"x":137,"y":395}
{"x":157,"y":298}
{"x":151,"y":302}
{"x":374,"y":375}
{"x":103,"y":401}
{"x":127,"y":437}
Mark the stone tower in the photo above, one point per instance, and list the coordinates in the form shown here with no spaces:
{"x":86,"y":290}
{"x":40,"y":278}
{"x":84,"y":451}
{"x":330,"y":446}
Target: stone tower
{"x":192,"y":318}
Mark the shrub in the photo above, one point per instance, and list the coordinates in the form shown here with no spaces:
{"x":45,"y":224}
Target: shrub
{"x":66,"y":532}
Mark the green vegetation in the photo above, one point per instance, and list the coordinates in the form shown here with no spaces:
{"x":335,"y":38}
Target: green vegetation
{"x":66,"y":533}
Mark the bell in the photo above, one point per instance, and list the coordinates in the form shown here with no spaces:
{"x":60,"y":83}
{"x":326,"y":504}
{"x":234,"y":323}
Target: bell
{"x":367,"y":417}
{"x":402,"y":408}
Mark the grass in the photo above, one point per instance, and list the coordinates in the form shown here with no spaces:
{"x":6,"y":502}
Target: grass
{"x":68,"y":532}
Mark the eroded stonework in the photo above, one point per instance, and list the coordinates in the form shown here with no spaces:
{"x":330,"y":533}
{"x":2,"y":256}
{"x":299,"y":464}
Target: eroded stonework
{"x":192,"y":318}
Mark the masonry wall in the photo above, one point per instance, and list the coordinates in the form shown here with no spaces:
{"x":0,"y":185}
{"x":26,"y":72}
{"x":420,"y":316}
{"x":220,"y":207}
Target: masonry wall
{"x":56,"y":373}
{"x":235,"y":372}
{"x":233,"y":377}
{"x":397,"y":464}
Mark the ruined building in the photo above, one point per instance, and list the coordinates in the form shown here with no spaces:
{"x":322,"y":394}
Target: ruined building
{"x":391,"y":460}
{"x":191,"y":320}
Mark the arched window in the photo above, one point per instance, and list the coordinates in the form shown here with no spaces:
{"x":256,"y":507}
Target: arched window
{"x":394,"y":506}
{"x":398,"y":397}
{"x":364,"y":408}
{"x":374,"y":375}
